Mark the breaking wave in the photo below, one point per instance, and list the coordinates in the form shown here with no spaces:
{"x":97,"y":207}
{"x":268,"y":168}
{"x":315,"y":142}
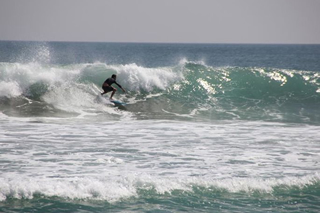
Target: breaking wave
{"x":188,"y":90}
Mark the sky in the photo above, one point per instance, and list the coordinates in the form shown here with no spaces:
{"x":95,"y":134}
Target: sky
{"x":168,"y":21}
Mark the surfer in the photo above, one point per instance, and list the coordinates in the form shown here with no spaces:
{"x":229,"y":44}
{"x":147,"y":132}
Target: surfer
{"x":106,"y":86}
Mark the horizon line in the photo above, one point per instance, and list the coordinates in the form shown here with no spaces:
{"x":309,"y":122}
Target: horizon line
{"x":150,"y":42}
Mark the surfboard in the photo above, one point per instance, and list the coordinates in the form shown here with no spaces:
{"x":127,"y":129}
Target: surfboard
{"x":118,"y":102}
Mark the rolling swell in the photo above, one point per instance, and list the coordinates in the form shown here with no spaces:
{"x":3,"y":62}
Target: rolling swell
{"x":189,"y":90}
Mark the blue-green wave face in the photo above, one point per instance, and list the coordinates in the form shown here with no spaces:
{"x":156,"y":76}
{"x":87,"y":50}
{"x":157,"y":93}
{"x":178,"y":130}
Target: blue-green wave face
{"x":250,"y":93}
{"x":188,"y":90}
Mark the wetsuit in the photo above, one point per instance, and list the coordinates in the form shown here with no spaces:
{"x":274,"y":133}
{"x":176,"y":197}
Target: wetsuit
{"x":109,"y":81}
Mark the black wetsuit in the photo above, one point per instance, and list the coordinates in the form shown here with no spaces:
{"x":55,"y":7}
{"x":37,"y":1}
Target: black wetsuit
{"x":109,"y":81}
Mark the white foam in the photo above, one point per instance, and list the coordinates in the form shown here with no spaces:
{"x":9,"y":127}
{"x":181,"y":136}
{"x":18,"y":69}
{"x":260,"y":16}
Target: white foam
{"x":75,"y":188}
{"x":114,"y":160}
{"x":137,"y":78}
{"x":110,"y":160}
{"x":10,"y":89}
{"x":3,"y":115}
{"x":185,"y":61}
{"x":15,"y":78}
{"x":114,"y":188}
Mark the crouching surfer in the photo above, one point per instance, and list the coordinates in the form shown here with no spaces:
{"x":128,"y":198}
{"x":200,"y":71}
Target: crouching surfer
{"x":106,"y":86}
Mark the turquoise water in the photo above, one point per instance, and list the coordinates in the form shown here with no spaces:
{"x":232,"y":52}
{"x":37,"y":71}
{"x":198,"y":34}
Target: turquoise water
{"x":206,"y":128}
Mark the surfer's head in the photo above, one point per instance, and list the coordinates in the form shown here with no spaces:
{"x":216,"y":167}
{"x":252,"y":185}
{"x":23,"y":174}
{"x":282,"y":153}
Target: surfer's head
{"x":114,"y":76}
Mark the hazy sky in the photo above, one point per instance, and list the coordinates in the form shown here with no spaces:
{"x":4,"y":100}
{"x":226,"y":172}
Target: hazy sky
{"x":196,"y":21}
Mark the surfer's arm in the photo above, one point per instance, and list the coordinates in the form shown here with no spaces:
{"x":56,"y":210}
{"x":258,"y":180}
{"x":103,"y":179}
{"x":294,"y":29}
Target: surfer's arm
{"x":120,"y":86}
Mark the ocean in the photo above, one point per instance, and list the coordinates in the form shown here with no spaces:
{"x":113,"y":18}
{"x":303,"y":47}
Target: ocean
{"x":205,"y":128}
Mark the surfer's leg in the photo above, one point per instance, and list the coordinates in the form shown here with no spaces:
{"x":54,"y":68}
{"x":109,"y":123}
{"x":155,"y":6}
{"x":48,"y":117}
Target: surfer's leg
{"x":114,"y":91}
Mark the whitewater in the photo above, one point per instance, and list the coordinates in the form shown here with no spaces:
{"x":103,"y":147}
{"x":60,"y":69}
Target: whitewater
{"x":205,"y":128}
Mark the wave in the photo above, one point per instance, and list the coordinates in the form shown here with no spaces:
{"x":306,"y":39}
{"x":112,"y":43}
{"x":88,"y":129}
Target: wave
{"x":189,"y":90}
{"x":196,"y":192}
